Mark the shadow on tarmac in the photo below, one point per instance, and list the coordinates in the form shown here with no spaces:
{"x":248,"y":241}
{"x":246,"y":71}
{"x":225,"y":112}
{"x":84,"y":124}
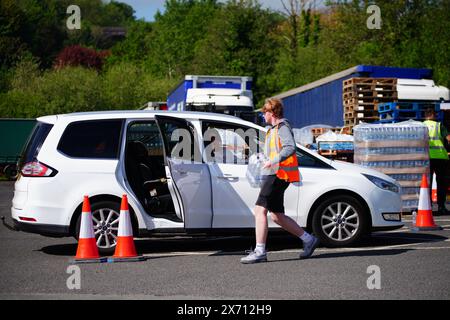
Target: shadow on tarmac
{"x":238,"y":245}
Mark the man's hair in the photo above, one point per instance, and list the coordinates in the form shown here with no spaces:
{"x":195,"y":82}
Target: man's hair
{"x":430,"y":113}
{"x":275,"y":106}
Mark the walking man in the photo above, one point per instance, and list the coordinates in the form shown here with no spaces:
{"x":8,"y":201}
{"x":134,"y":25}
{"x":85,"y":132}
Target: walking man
{"x":439,"y":160}
{"x":282,"y":169}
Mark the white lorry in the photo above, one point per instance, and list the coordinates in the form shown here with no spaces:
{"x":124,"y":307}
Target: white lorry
{"x":421,"y":90}
{"x":230,"y":95}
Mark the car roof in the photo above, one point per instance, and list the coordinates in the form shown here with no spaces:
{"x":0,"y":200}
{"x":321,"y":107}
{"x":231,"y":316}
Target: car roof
{"x":142,"y":114}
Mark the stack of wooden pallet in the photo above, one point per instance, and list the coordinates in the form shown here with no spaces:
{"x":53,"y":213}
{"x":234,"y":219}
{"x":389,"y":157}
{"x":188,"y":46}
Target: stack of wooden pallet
{"x":338,"y":130}
{"x":361,"y":97}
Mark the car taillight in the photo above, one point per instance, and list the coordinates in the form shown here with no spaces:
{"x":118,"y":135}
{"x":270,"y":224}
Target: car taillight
{"x":37,"y":169}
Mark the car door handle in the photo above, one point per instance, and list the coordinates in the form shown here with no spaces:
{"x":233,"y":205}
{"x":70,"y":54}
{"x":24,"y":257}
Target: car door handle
{"x":181,"y":172}
{"x":228,"y":177}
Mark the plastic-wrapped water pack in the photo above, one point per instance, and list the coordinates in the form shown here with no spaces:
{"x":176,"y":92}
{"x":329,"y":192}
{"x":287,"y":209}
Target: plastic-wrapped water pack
{"x":399,"y":150}
{"x":255,"y":172}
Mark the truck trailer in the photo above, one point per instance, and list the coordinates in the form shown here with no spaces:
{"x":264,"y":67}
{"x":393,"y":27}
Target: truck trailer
{"x":230,"y":95}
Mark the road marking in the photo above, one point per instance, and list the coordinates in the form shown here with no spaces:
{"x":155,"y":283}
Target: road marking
{"x":173,"y":254}
{"x":405,"y":238}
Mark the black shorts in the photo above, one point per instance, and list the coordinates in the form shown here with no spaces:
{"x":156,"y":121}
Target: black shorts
{"x":271,"y":195}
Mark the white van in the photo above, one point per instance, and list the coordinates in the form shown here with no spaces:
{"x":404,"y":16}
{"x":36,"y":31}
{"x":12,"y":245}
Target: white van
{"x":107,"y":154}
{"x":421,"y":90}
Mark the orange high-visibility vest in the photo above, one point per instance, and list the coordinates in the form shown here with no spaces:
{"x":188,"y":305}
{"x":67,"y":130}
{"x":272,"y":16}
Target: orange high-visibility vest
{"x":287,"y":169}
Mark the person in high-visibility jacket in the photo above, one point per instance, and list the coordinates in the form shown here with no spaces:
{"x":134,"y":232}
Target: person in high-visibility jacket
{"x":439,"y":160}
{"x":282,"y":169}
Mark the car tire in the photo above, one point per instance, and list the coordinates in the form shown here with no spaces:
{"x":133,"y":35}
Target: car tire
{"x":340,"y":221}
{"x":11,"y":172}
{"x":105,"y":215}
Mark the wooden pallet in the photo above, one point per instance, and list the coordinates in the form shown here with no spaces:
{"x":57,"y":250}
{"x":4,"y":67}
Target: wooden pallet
{"x":361,"y":97}
{"x":319,"y":131}
{"x":369,"y":81}
{"x":369,"y":87}
{"x":367,"y":96}
{"x":348,"y":130}
{"x":351,"y":122}
{"x":359,"y":102}
{"x":361,"y":114}
{"x":357,"y":88}
{"x":357,"y":108}
{"x":338,"y":155}
{"x":370,"y":102}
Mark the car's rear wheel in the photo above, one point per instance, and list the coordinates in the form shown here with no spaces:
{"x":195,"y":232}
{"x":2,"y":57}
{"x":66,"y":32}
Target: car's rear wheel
{"x":11,"y":172}
{"x":105,"y":218}
{"x":340,"y":221}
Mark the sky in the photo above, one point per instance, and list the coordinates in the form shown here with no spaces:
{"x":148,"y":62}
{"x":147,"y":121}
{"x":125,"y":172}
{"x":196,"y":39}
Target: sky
{"x":147,"y":8}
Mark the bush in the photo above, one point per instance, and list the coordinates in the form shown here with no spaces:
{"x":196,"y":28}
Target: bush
{"x":72,"y":89}
{"x":20,"y":104}
{"x":79,"y":56}
{"x":121,"y":86}
{"x":128,"y":86}
{"x":76,"y":89}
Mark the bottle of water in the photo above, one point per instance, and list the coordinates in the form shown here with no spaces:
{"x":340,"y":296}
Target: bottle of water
{"x":414,"y":217}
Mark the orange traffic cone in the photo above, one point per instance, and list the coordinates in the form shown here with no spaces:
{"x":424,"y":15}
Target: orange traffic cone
{"x":424,"y":219}
{"x":434,"y":189}
{"x":87,"y":251}
{"x":125,"y":249}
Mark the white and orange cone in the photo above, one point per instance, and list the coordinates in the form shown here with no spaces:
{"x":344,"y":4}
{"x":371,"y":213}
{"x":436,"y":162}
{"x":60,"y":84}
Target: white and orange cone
{"x":87,"y":251}
{"x":125,"y":249}
{"x":434,"y":189}
{"x":424,"y":219}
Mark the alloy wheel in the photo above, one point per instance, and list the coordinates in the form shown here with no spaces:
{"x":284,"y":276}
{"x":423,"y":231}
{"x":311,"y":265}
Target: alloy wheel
{"x":106,"y":227}
{"x":340,"y":221}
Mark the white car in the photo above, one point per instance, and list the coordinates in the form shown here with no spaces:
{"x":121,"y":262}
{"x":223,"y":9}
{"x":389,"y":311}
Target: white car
{"x":107,"y":154}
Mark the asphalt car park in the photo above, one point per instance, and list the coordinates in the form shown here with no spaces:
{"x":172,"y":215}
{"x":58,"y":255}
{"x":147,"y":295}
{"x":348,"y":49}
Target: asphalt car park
{"x":407,"y":266}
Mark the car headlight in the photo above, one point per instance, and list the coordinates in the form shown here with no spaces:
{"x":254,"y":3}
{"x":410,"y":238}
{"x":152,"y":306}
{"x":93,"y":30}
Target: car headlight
{"x":383,"y":184}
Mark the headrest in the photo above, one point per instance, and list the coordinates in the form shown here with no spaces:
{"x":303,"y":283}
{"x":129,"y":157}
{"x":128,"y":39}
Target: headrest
{"x":138,"y":148}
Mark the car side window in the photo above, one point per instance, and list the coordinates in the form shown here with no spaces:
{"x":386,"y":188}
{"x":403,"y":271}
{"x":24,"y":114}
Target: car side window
{"x":229,"y":143}
{"x":147,"y":133}
{"x":97,"y":139}
{"x":180,"y":139}
{"x":306,"y":160}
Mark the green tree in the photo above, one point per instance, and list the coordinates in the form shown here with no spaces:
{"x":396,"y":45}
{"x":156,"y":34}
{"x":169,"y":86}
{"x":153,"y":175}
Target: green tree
{"x":135,"y":47}
{"x":175,"y":36}
{"x":240,"y":42}
{"x":12,"y":25}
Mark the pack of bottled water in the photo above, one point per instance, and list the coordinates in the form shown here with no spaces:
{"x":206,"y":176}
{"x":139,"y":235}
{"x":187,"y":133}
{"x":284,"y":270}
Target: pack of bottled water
{"x":399,"y":150}
{"x":255,"y":173}
{"x":407,"y":130}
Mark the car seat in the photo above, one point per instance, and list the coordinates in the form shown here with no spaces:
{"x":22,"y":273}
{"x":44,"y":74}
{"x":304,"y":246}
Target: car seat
{"x":151,"y":190}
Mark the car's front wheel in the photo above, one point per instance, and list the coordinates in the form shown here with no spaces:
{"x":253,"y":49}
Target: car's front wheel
{"x":340,"y":221}
{"x":105,"y":218}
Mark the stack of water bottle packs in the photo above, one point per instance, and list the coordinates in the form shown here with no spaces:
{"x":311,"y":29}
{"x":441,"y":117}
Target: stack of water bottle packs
{"x":399,"y":150}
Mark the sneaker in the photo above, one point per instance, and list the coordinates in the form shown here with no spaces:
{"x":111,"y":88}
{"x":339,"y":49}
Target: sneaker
{"x":254,"y":257}
{"x":308,"y":248}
